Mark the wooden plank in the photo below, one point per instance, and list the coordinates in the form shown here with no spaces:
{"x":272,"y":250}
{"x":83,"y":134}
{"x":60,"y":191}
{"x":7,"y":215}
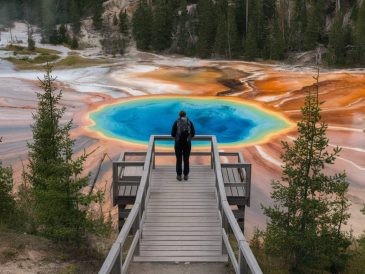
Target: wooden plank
{"x":181,"y":219}
{"x":182,"y":191}
{"x":179,"y":253}
{"x":241,"y":191}
{"x":127,"y":191}
{"x":217,"y":247}
{"x":222,"y":258}
{"x":186,"y":224}
{"x":228,"y":191}
{"x":182,"y":214}
{"x":230,"y":251}
{"x":234,"y":191}
{"x":182,"y":238}
{"x":182,"y":210}
{"x":178,"y":204}
{"x":180,"y":233}
{"x":179,"y":228}
{"x":145,"y":242}
{"x":121,"y":191}
{"x":130,"y":253}
{"x":212,"y":206}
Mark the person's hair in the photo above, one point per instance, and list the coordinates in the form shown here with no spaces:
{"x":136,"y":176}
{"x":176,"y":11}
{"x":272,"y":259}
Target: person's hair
{"x":182,"y":113}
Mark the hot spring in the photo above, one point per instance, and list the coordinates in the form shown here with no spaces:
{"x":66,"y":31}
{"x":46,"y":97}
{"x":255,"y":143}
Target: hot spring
{"x":233,"y":121}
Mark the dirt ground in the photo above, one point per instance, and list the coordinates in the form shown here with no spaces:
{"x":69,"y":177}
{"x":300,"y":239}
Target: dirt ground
{"x":26,"y":254}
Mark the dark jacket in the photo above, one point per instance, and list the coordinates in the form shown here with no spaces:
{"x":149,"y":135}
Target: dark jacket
{"x":174,"y":129}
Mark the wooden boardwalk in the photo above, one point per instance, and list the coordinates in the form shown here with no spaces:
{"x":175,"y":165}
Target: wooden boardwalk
{"x":182,"y":222}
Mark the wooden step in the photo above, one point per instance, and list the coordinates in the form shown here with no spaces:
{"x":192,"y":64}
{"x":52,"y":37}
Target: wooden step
{"x":222,"y":258}
{"x":181,"y":247}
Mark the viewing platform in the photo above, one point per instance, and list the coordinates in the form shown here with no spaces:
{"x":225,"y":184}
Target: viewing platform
{"x":181,"y":221}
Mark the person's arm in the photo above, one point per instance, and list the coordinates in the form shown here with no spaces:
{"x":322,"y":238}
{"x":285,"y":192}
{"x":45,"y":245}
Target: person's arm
{"x":174,"y":129}
{"x":192,"y":129}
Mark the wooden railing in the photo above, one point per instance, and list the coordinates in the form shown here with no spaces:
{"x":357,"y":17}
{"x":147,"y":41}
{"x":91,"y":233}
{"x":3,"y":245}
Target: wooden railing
{"x":245,"y":262}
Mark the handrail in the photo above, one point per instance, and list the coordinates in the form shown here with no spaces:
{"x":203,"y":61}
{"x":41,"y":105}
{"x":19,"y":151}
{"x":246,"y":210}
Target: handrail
{"x":114,"y":261}
{"x":246,"y":260}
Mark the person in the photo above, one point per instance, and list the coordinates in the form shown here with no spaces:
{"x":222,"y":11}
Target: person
{"x":182,"y":130}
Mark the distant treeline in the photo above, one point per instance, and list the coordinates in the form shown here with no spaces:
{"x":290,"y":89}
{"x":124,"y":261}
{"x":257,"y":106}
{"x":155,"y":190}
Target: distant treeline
{"x":245,"y":29}
{"x":48,"y":14}
{"x":250,"y":29}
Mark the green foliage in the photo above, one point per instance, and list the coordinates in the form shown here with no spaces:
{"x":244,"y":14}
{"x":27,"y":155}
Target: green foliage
{"x":7,"y":203}
{"x":250,"y":44}
{"x":310,"y":207}
{"x":75,"y":16}
{"x":142,"y":26}
{"x":97,"y":14}
{"x":115,"y":20}
{"x":54,"y":176}
{"x":74,"y":43}
{"x":315,"y":25}
{"x":298,"y":26}
{"x":226,"y":41}
{"x":360,"y":33}
{"x":207,"y":27}
{"x":162,"y":25}
{"x":339,"y":38}
{"x":124,"y":23}
{"x":276,"y":41}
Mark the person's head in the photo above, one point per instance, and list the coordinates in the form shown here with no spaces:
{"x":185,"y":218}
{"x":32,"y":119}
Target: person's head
{"x":182,"y":114}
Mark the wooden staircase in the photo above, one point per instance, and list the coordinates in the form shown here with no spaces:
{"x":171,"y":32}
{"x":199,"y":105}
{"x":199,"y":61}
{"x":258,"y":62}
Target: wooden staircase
{"x":182,"y":222}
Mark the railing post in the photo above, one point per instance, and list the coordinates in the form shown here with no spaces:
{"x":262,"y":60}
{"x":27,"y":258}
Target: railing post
{"x":153,"y":155}
{"x":243,"y":267}
{"x":121,"y":258}
{"x":211,"y":154}
{"x":115,"y":182}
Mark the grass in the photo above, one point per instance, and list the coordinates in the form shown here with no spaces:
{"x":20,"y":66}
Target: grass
{"x":32,"y":63}
{"x":24,"y":51}
{"x":72,"y":61}
{"x":76,"y":61}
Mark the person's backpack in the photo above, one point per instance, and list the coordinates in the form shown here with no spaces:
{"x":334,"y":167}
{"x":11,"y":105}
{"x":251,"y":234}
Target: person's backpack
{"x":183,"y":133}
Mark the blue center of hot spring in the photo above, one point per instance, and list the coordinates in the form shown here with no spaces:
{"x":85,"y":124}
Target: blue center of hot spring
{"x":231,"y":122}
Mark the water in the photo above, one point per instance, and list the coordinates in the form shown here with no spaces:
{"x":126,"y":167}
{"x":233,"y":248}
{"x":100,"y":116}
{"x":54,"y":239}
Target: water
{"x":231,"y":122}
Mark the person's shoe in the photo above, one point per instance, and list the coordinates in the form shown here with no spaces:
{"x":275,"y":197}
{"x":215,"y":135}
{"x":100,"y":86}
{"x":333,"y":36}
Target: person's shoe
{"x":178,"y":177}
{"x":186,"y":177}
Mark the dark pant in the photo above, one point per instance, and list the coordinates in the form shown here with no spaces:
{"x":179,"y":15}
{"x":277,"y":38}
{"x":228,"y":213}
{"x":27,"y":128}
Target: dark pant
{"x":182,"y":151}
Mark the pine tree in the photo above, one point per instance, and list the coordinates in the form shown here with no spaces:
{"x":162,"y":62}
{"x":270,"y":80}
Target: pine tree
{"x":250,"y":44}
{"x":269,"y":31}
{"x":206,"y":28}
{"x":277,"y":43}
{"x":182,"y":36}
{"x":98,"y":10}
{"x":53,"y":174}
{"x":162,"y":25}
{"x":360,"y":33}
{"x":298,"y":26}
{"x":142,"y":26}
{"x":124,"y":23}
{"x":75,"y":16}
{"x":315,"y":25}
{"x":337,"y":44}
{"x":48,"y":20}
{"x":74,"y":43}
{"x":31,"y":42}
{"x":310,"y":207}
{"x":7,"y":203}
{"x":115,"y":20}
